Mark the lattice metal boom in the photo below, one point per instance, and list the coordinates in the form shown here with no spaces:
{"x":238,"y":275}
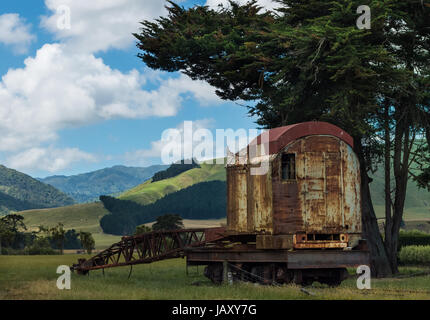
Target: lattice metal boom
{"x":149,"y":247}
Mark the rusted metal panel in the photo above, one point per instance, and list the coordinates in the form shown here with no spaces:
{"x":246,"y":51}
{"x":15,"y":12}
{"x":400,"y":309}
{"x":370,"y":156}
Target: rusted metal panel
{"x":287,"y":217}
{"x":206,"y":255}
{"x":287,"y":214}
{"x":333,"y":192}
{"x":214,"y":234}
{"x":320,"y":259}
{"x":312,"y":190}
{"x":351,"y":183}
{"x":326,"y":176}
{"x":260,"y":217}
{"x":297,"y":259}
{"x":249,"y":201}
{"x":274,"y":242}
{"x":237,"y":207}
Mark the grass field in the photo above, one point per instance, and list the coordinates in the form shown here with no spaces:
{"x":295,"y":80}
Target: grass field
{"x":34,"y":277}
{"x":410,"y":214}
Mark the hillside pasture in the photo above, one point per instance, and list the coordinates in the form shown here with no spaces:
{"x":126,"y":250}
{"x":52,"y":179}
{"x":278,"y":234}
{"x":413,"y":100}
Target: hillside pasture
{"x":85,"y":217}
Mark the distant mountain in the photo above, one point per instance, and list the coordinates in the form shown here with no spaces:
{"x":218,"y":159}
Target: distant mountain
{"x":87,"y":187}
{"x":19,"y":191}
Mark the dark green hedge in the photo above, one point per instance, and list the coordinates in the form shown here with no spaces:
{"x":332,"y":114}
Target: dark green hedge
{"x":415,"y":255}
{"x":413,"y":238}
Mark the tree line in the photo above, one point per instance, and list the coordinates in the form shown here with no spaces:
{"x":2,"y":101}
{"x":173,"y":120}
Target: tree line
{"x":15,"y":238}
{"x":163,"y":223}
{"x":206,"y":200}
{"x":174,"y":170}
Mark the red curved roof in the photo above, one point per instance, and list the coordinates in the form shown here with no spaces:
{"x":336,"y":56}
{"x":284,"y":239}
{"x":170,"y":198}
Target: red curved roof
{"x":280,"y":137}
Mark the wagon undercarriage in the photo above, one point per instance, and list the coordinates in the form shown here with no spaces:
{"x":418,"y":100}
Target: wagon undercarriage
{"x":230,"y":261}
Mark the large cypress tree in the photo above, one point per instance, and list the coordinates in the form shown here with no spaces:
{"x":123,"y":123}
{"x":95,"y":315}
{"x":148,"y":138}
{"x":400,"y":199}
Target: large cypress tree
{"x":309,"y":61}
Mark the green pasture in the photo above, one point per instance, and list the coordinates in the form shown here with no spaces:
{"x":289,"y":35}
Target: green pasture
{"x":34,"y":277}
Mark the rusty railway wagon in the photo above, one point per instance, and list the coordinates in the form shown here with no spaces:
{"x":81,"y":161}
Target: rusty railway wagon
{"x":293,"y":215}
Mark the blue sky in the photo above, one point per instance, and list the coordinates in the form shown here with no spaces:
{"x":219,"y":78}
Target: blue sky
{"x":78,"y":99}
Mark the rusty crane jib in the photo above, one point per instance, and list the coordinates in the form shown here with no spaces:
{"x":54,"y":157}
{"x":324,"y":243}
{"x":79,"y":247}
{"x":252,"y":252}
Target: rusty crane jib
{"x":148,"y":247}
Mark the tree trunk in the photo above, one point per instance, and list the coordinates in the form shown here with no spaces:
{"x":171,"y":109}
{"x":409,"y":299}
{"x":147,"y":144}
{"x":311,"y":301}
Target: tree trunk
{"x":401,"y":171}
{"x":388,"y":228}
{"x":380,"y":266}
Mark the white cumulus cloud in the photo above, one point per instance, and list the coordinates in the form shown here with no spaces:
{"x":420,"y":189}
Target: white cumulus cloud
{"x":57,"y":89}
{"x":100,"y":24}
{"x":15,"y":32}
{"x":48,"y":159}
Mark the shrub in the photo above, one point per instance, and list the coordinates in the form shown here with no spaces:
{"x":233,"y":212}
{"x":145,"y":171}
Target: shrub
{"x":41,"y":251}
{"x":13,"y":252}
{"x":413,"y":238}
{"x":142,"y":229}
{"x":41,"y":246}
{"x":416,"y":255}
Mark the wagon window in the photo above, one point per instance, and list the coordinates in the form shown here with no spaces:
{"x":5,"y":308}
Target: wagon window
{"x":288,"y":166}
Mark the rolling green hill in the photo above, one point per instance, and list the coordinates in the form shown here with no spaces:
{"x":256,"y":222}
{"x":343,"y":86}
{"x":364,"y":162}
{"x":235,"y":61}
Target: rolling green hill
{"x":19,"y":191}
{"x":149,"y":191}
{"x":85,"y":217}
{"x":87,"y":187}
